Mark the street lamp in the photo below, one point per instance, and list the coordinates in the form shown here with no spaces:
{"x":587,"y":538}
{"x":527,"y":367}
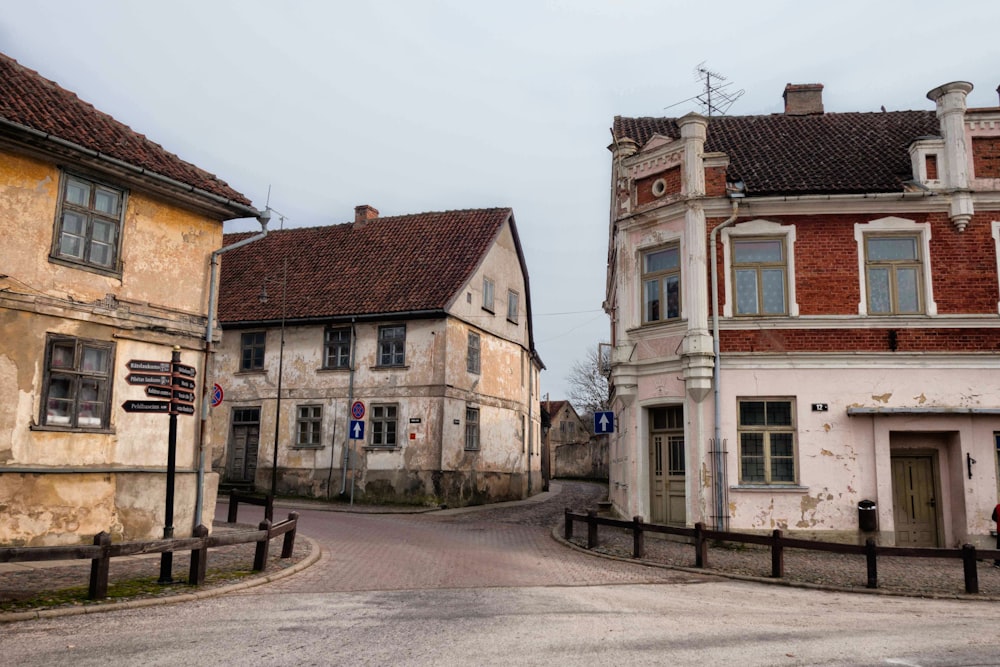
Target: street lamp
{"x":269,"y":508}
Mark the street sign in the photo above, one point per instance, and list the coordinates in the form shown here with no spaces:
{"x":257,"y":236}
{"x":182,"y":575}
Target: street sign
{"x":357,"y":430}
{"x":159,"y":392}
{"x":183,"y":383}
{"x":145,"y":378}
{"x":604,"y":422}
{"x":183,"y":396}
{"x":148,"y":366}
{"x":186,"y":371}
{"x":358,"y":410}
{"x":182,"y":408}
{"x":217,"y":395}
{"x":146,"y":406}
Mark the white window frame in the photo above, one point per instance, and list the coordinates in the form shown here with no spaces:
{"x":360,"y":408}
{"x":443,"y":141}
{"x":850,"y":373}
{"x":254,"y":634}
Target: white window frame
{"x":763,"y":229}
{"x":513,"y":306}
{"x":309,"y":422}
{"x":658,"y":276}
{"x":380,"y":415}
{"x":888,"y":226}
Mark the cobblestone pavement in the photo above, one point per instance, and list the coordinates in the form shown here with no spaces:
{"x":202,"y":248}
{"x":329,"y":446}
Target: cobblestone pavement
{"x":378,"y":548}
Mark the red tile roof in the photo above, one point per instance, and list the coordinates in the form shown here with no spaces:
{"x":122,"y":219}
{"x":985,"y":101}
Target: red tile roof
{"x":398,"y":264}
{"x":32,"y":101}
{"x":833,"y":153}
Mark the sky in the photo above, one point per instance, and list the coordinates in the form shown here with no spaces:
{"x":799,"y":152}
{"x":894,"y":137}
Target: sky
{"x":313,"y":108}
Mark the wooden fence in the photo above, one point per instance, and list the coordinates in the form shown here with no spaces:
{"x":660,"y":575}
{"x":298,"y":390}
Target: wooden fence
{"x":700,"y":538}
{"x":103,"y":551}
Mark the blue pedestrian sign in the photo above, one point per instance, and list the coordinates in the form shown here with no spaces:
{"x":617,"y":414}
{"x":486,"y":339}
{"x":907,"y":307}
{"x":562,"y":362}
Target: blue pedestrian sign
{"x":604,"y":422}
{"x":357,"y":429}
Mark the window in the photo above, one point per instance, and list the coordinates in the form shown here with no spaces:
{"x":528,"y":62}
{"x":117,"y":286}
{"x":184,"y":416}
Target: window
{"x":661,"y":284}
{"x":488,"y":294}
{"x":767,"y":441}
{"x":309,"y":425}
{"x":88,"y":225}
{"x":472,"y":428}
{"x":383,"y":425}
{"x":77,"y":391}
{"x":392,"y":345}
{"x":337,"y":347}
{"x":759,"y":275}
{"x":512,"y":305}
{"x":472,"y":360}
{"x":252,"y":350}
{"x":894,"y":274}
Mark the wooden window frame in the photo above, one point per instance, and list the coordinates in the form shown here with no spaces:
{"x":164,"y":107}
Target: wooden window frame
{"x":309,"y":425}
{"x":90,"y":216}
{"x":258,"y":342}
{"x":75,"y":375}
{"x":658,"y":278}
{"x":767,"y":431}
{"x":339,"y":349}
{"x":384,"y":425}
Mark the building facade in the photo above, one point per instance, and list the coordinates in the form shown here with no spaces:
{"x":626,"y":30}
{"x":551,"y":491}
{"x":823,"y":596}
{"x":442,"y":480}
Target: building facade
{"x":401,"y":349}
{"x":107,"y":239}
{"x":805,"y":320}
{"x":573,"y":450}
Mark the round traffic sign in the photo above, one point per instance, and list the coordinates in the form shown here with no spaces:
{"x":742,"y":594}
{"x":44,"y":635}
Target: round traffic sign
{"x":216,"y":395}
{"x":358,"y":410}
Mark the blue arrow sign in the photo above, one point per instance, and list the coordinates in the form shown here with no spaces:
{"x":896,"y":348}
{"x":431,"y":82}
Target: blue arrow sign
{"x":604,"y":422}
{"x":357,"y":430}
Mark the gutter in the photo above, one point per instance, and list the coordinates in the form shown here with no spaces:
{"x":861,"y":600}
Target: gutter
{"x":717,"y":481}
{"x":207,"y":385}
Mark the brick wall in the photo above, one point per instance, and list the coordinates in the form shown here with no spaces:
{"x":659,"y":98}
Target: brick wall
{"x":644,"y":186}
{"x":986,"y":157}
{"x":861,"y":340}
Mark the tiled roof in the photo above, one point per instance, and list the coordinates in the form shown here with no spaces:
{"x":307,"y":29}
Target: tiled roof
{"x":33,"y":101}
{"x":553,"y":407}
{"x":395,"y":264}
{"x":833,"y":153}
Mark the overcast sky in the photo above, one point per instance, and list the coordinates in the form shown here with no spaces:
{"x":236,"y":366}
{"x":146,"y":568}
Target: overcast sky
{"x":411,"y":105}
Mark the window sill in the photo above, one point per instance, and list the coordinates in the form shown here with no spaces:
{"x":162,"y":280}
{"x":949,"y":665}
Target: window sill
{"x":333,"y":369}
{"x":72,"y":429}
{"x":381,"y":448}
{"x":307,"y":447}
{"x":489,"y":310}
{"x":83,"y":266}
{"x":389,"y":368}
{"x":471,"y":450}
{"x":252,"y":371}
{"x":791,"y":488}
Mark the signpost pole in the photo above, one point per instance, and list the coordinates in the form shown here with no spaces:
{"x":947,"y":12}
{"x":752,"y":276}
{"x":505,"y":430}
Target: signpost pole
{"x":167,"y":557}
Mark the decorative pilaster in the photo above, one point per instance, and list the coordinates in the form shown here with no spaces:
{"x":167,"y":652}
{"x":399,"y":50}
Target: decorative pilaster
{"x":951,"y":104}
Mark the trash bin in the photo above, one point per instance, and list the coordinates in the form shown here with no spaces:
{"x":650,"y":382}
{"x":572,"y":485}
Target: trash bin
{"x":867,"y":516}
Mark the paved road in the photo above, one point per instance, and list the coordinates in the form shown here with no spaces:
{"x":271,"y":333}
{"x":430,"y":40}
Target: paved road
{"x":492,"y":587}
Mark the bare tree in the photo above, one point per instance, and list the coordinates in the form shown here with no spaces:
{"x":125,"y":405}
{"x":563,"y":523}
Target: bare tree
{"x":588,"y":383}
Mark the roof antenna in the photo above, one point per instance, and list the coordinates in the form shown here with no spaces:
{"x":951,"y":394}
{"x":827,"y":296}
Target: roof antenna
{"x":716,"y":98}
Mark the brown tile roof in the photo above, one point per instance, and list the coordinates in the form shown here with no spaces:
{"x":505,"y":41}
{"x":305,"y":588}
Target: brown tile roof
{"x":397,"y":264}
{"x":33,"y":101}
{"x":553,"y":407}
{"x":833,"y":153}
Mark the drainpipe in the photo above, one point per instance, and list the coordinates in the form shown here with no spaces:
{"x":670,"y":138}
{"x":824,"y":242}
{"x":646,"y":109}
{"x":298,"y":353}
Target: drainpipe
{"x":263,"y":217}
{"x":350,"y":402}
{"x":531,"y":426}
{"x":720,"y":509}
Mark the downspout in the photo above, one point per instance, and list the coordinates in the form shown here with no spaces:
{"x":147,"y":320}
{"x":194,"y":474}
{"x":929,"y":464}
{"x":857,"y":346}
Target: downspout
{"x":263,"y":217}
{"x":350,"y":402}
{"x":718,"y":482}
{"x":531,"y":424}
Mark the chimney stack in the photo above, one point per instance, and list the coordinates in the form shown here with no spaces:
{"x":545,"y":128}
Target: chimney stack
{"x":803,"y":99}
{"x":363,"y":214}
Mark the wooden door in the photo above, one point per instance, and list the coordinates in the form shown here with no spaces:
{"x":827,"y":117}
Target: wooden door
{"x":666,"y":466}
{"x":243,"y":444}
{"x":914,"y":501}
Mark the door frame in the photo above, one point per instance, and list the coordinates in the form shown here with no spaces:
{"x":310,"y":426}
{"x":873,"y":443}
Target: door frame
{"x":231,"y":441}
{"x":935,"y":463}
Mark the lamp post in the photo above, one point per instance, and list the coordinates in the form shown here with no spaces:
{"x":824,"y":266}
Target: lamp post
{"x":269,"y":508}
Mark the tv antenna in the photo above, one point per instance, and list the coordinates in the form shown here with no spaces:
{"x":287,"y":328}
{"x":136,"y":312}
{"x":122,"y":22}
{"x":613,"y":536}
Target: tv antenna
{"x":717,"y":97}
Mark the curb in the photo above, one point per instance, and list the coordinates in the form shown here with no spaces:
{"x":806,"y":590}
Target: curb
{"x":773,"y":582}
{"x":314,"y":555}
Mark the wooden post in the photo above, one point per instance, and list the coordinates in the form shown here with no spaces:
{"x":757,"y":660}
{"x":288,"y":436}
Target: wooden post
{"x":591,"y":529}
{"x":700,"y":546}
{"x":288,"y":546}
{"x":99,"y":568}
{"x":234,"y":506}
{"x":199,"y":558}
{"x":969,"y":565}
{"x":638,"y":540}
{"x":260,"y":555}
{"x":568,"y":534}
{"x":777,"y":555}
{"x":872,"y":563}
{"x":269,"y":503}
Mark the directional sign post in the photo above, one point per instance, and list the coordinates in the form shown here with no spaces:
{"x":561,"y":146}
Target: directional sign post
{"x":357,"y":429}
{"x":604,"y":422}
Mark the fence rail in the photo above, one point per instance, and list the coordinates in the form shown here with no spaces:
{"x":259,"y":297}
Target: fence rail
{"x":103,"y":551}
{"x":701,"y":537}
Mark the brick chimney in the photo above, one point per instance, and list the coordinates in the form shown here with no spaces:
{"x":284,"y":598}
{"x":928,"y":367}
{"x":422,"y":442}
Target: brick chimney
{"x":363,"y":214}
{"x":803,"y":99}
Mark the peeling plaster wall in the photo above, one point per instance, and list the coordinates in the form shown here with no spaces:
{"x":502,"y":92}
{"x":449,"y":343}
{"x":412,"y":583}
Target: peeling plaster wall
{"x":59,"y":487}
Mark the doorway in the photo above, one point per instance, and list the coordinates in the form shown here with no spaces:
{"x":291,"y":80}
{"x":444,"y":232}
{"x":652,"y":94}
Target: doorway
{"x":244,"y":440}
{"x":667,"y":466}
{"x":914,"y":500}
